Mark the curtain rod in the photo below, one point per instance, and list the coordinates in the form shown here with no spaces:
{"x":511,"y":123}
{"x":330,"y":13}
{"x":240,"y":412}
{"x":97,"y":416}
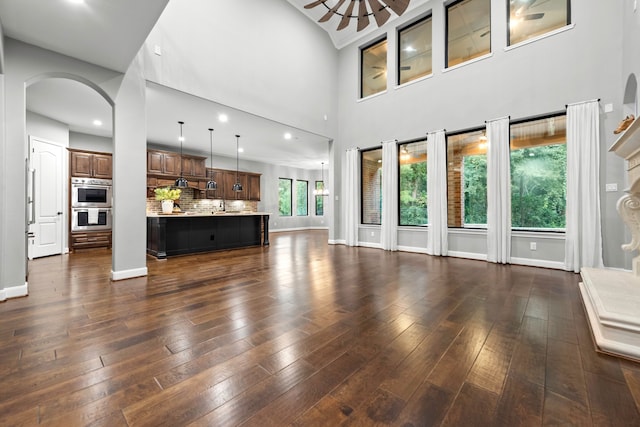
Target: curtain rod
{"x":583,"y":102}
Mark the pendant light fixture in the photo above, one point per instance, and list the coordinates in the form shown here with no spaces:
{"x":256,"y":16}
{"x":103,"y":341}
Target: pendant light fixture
{"x":211,"y":184}
{"x":181,"y":182}
{"x":322,"y":191}
{"x":237,"y":186}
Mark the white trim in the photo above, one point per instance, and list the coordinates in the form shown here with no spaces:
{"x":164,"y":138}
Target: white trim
{"x":128,"y":274}
{"x":469,"y":255}
{"x":414,"y":249}
{"x":337,"y":242}
{"x":540,"y":37}
{"x":372,"y":96}
{"x":370,"y":245}
{"x":470,"y":231}
{"x":297,"y":229}
{"x":538,"y":234}
{"x":418,"y":228}
{"x":14,"y":292}
{"x":409,"y":83}
{"x":555,"y":265}
{"x":469,"y":62}
{"x":370,"y":226}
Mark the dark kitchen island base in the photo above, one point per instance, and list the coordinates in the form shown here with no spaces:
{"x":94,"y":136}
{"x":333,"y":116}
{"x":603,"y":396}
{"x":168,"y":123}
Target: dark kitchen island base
{"x":170,"y":235}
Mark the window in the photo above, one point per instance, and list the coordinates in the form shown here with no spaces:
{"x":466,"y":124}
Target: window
{"x":373,"y":69}
{"x":284,"y":197}
{"x":468,"y":30}
{"x":412,"y":163}
{"x":319,"y":199}
{"x":371,"y":191}
{"x":539,"y":173}
{"x":529,"y":19}
{"x":467,"y":179}
{"x":302,"y":198}
{"x":414,"y":57}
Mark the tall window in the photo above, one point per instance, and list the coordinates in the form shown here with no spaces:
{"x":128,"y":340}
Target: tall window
{"x":373,"y":68}
{"x":529,"y":19}
{"x":284,"y":197}
{"x":319,"y":199}
{"x":539,"y":173}
{"x":302,"y":198}
{"x":467,"y":179}
{"x":468,"y":30}
{"x":371,"y":191}
{"x":414,"y":56}
{"x":412,"y":163}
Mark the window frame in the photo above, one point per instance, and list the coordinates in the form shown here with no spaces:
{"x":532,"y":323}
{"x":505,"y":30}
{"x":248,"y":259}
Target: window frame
{"x":420,"y":20}
{"x":447,"y":6}
{"x":306,"y":186}
{"x":290,"y":197}
{"x":399,"y":144}
{"x":362,"y":152}
{"x":532,"y":38}
{"x":362,"y":50}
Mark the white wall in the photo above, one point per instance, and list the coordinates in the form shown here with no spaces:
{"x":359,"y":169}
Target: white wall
{"x":83,"y":141}
{"x":580,"y":64}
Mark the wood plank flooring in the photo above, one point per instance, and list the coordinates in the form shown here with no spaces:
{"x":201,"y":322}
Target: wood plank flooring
{"x":303,"y":333}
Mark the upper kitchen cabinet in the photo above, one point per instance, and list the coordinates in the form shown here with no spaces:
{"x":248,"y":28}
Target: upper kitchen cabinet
{"x":90,"y":164}
{"x":169,"y":163}
{"x":253,"y":182}
{"x":193,"y":166}
{"x":229,"y":179}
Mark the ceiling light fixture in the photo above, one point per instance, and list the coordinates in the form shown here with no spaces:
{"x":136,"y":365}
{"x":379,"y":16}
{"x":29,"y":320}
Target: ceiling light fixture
{"x":211,"y":184}
{"x":379,"y":11}
{"x":322,"y":190}
{"x":223,"y":118}
{"x":76,"y":1}
{"x":97,"y":122}
{"x":181,"y":182}
{"x":287,"y":135}
{"x":237,"y":186}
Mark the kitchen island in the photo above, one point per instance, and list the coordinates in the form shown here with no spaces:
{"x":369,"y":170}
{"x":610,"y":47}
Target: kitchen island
{"x":187,"y":233}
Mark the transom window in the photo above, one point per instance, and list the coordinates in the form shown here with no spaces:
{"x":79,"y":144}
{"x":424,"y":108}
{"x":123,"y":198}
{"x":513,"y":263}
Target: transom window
{"x":414,"y":56}
{"x":371,"y":181}
{"x":531,"y":18}
{"x":468,"y":30}
{"x":373,"y":68}
{"x":412,"y":164}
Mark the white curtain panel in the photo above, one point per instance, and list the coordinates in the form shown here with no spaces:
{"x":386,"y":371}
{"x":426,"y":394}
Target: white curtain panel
{"x":583,"y":244}
{"x":389,"y":227}
{"x":498,"y":192}
{"x":437,"y":193}
{"x":351,"y":198}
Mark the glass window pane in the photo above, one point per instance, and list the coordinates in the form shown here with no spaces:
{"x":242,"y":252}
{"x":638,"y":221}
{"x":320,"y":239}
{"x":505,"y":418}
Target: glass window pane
{"x":539,"y":173}
{"x":371,"y":162}
{"x":284,"y":197}
{"x":373,"y":73}
{"x":468,"y":30}
{"x":412,"y":160}
{"x":319,"y":199}
{"x":467,"y":179}
{"x":415,"y":51}
{"x":302,"y":197}
{"x":528,"y":19}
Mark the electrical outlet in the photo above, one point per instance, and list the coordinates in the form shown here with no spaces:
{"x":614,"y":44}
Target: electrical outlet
{"x":611,"y":187}
{"x":373,"y":234}
{"x":533,"y":246}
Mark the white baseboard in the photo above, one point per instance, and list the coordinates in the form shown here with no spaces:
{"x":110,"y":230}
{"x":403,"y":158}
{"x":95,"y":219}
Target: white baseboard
{"x":556,"y":265}
{"x":469,"y":255}
{"x":14,"y":292}
{"x":128,"y":274}
{"x":413,"y":249}
{"x":271,"y":230}
{"x":370,"y":245}
{"x":337,"y":242}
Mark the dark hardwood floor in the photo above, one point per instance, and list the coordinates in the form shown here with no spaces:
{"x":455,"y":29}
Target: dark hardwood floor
{"x":306,"y":334}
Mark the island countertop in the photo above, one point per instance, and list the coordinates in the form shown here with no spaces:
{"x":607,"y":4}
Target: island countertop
{"x":197,"y":214}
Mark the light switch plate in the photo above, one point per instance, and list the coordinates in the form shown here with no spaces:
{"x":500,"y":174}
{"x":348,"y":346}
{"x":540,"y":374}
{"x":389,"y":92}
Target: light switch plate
{"x":608,"y":108}
{"x":611,"y":187}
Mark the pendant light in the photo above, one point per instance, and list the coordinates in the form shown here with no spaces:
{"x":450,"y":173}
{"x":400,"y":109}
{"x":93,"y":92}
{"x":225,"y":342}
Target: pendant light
{"x":322,"y":191}
{"x":181,"y":182}
{"x":237,"y":186}
{"x":211,"y":184}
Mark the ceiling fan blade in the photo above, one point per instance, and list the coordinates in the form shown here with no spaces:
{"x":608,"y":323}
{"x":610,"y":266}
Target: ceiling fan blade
{"x":405,"y":67}
{"x":331,"y":11}
{"x":314,"y":4}
{"x":344,"y":22}
{"x":485,"y":33}
{"x":378,"y":67}
{"x":380,"y":12}
{"x":378,"y":75}
{"x":363,"y":18}
{"x":533,"y":16}
{"x":398,"y":6}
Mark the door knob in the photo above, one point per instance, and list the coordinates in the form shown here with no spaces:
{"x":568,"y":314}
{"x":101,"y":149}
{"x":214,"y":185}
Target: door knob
{"x":59,"y":213}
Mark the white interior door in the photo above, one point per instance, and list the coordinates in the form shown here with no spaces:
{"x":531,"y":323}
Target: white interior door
{"x":47,"y":162}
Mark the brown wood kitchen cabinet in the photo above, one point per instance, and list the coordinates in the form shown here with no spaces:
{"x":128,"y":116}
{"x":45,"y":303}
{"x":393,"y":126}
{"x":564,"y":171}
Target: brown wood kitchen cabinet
{"x":229,"y":179}
{"x":90,"y":164}
{"x":253,"y":190}
{"x":172,"y":164}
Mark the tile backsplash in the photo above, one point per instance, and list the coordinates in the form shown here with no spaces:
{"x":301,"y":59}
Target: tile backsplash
{"x":190,"y":204}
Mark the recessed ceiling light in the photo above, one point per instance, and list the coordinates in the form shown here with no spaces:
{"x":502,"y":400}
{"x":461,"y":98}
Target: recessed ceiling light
{"x":240,"y":150}
{"x":223,"y":118}
{"x":76,"y":1}
{"x":97,"y":122}
{"x":287,"y":135}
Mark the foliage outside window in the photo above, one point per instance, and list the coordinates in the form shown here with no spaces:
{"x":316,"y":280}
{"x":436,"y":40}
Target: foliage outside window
{"x":284,"y":197}
{"x":412,"y":163}
{"x":373,"y":69}
{"x":414,"y":56}
{"x":302,"y":197}
{"x":539,"y":173}
{"x":531,"y":18}
{"x":371,"y":181}
{"x":468,"y":30}
{"x":319,"y":199}
{"x":467,"y":179}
